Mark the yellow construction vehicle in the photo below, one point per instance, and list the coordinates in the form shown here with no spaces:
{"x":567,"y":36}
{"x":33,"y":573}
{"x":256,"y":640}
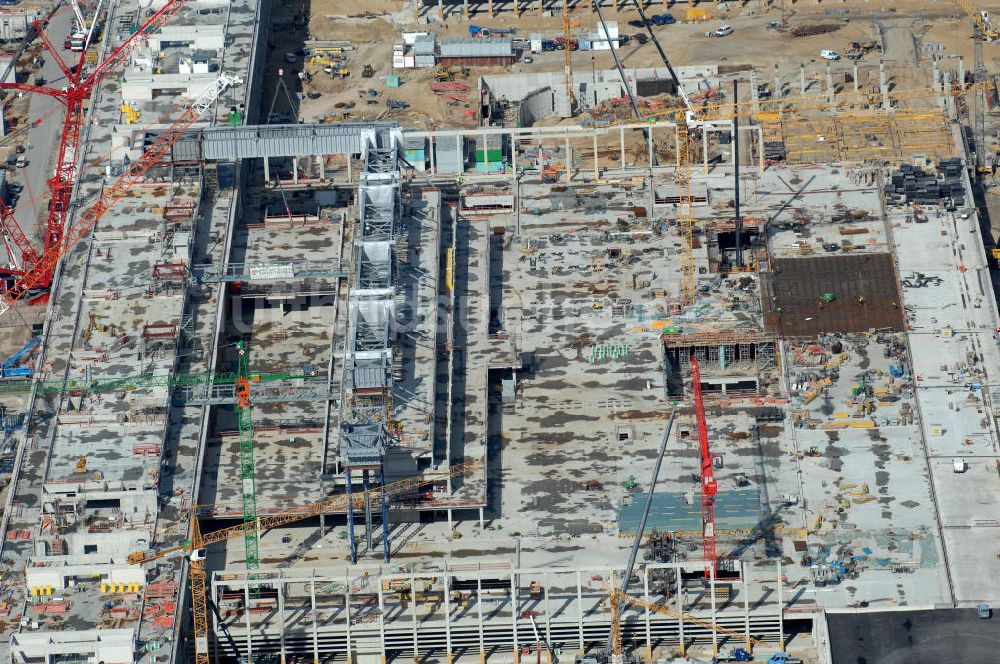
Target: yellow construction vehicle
{"x":443,"y":74}
{"x":194,"y":546}
{"x":81,"y":465}
{"x":131,"y":115}
{"x":981,"y":20}
{"x":317,"y":61}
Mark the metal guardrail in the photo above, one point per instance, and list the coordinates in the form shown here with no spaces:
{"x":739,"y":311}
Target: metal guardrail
{"x":262,"y":272}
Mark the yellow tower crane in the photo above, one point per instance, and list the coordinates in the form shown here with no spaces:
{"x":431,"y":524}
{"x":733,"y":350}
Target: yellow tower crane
{"x":981,"y":19}
{"x":195,"y":545}
{"x":617,"y":597}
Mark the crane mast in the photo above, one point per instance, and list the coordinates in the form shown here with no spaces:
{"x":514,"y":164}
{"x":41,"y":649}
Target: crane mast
{"x":41,"y":272}
{"x":709,"y":487}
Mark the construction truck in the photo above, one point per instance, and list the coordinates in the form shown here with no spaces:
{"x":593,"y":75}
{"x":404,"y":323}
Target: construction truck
{"x":857,"y":50}
{"x":444,"y":74}
{"x":396,"y":104}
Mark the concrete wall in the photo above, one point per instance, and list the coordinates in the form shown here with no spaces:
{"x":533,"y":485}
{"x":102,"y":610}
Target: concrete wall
{"x":142,"y":87}
{"x":537,"y":105}
{"x":592,"y":88}
{"x":205,"y":37}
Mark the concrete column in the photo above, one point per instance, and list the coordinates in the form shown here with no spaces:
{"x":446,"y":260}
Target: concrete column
{"x":621,"y":139}
{"x":246,"y":616}
{"x":548,"y":617}
{"x":381,"y":611}
{"x":680,"y":612}
{"x":760,"y":147}
{"x":321,"y":165}
{"x":649,"y":146}
{"x":350,"y":174}
{"x":514,"y":610}
{"x":459,"y":144}
{"x":777,"y":83}
{"x":491,"y":8}
{"x":513,"y":166}
{"x":704,"y":148}
{"x":781,"y":608}
{"x":754,"y":99}
{"x":579,"y":607}
{"x":481,"y":510}
{"x":347,"y":617}
{"x":447,"y":614}
{"x":947,"y":99}
{"x":711,"y":589}
{"x":961,"y":73}
{"x":413,"y":616}
{"x":517,"y":10}
{"x":465,"y":8}
{"x":567,"y":161}
{"x":745,"y":579}
{"x":315,"y":631}
{"x":645,"y":597}
{"x":722,"y":357}
{"x":441,"y":9}
{"x":479,"y":606}
{"x":936,"y":72}
{"x":541,"y":8}
{"x":802,"y":78}
{"x":829,"y":81}
{"x":267,"y":171}
{"x":295,"y":170}
{"x":281,"y":619}
{"x":883,"y":86}
{"x":597,"y":161}
{"x":433,"y":149}
{"x":856,"y":76}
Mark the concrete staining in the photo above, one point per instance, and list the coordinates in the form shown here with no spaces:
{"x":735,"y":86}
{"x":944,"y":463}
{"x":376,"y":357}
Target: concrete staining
{"x":538,"y":328}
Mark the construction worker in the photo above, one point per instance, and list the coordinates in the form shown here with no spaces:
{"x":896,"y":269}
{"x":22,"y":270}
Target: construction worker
{"x":861,"y":300}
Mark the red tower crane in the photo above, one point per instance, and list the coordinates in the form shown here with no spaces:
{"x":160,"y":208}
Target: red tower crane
{"x":74,"y":97}
{"x":709,"y":487}
{"x":113,"y":193}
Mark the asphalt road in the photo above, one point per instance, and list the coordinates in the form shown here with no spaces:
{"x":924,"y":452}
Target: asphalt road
{"x":914,"y":637}
{"x":32,"y":208}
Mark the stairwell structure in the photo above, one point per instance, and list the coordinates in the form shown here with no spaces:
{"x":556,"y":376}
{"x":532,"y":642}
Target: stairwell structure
{"x":366,"y":403}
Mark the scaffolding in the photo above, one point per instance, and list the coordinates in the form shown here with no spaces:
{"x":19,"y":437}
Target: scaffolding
{"x":723,"y":351}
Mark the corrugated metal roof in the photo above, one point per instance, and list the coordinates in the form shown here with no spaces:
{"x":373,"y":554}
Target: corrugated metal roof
{"x":424,"y":46}
{"x":476,"y":48}
{"x":228,"y":143}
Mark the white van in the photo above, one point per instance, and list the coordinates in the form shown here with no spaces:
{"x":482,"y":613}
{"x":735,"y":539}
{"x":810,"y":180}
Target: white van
{"x":829,"y":55}
{"x":958,"y":465}
{"x":724,"y":31}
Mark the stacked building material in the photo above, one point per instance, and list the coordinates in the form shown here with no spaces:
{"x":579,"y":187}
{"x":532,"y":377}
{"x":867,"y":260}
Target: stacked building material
{"x":913,"y":185}
{"x":452,"y":92}
{"x":774,"y":151}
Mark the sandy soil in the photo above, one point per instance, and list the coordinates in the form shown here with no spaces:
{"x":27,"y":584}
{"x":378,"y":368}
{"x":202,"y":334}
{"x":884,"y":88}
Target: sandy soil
{"x":373,"y":25}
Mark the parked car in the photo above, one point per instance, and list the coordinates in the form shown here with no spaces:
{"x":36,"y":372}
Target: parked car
{"x":527,"y":59}
{"x":291,"y":57}
{"x":663,"y":19}
{"x":642,"y":38}
{"x":724,"y":31}
{"x":638,"y":23}
{"x":829,"y":55}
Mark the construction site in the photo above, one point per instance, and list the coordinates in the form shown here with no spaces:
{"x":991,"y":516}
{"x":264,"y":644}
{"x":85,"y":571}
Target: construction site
{"x":574,"y":331}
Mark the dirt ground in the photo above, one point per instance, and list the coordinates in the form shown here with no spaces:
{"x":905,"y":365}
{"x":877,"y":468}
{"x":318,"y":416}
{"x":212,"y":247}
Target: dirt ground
{"x":373,"y":25}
